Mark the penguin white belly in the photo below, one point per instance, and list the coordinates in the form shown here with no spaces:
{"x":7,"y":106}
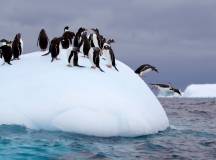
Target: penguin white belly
{"x":72,"y":60}
{"x":90,"y":55}
{"x":163,"y":89}
{"x":81,"y":49}
{"x":21,"y":41}
{"x":95,"y":41}
{"x":108,"y":57}
{"x":146,"y":71}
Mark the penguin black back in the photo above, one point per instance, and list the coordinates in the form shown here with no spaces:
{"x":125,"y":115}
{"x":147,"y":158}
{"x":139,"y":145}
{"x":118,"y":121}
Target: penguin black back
{"x":43,"y":40}
{"x":77,"y":37}
{"x":16,"y":47}
{"x":6,"y":53}
{"x":96,"y":58}
{"x":67,"y":38}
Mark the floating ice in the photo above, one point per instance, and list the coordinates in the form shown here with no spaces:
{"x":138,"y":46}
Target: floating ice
{"x":43,"y":95}
{"x":200,"y":90}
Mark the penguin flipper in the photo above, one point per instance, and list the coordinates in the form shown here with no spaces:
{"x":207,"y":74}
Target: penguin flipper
{"x":101,"y":69}
{"x":116,"y":68}
{"x":46,"y":54}
{"x":80,"y":66}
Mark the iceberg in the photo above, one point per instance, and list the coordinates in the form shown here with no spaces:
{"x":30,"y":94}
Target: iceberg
{"x":200,"y":91}
{"x":51,"y":96}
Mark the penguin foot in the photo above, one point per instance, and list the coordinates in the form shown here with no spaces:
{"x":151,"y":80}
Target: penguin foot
{"x":69,"y":65}
{"x":109,"y":66}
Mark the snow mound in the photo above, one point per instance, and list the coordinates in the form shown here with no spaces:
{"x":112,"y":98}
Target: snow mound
{"x":200,"y":90}
{"x":43,"y":95}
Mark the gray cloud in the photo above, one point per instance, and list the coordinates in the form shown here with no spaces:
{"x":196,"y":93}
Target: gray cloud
{"x":178,"y":36}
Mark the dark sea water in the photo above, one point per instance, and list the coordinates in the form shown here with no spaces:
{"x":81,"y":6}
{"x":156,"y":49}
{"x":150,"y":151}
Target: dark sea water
{"x":192,"y":135}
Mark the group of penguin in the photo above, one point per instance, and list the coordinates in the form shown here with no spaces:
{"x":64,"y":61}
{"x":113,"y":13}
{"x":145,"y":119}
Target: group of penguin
{"x":88,"y":42}
{"x":11,"y":50}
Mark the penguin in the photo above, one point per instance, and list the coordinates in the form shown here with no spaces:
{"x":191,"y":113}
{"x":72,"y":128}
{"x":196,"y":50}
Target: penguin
{"x":94,"y":58}
{"x":77,"y":38}
{"x":6,"y":53}
{"x":108,"y":52}
{"x":145,"y":68}
{"x":67,"y":38}
{"x":166,"y":88}
{"x":43,"y":40}
{"x":17,"y":47}
{"x":73,"y":58}
{"x":85,"y":44}
{"x":54,"y":48}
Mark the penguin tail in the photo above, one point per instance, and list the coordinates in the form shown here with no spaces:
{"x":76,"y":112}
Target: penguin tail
{"x":116,"y":68}
{"x":45,"y":54}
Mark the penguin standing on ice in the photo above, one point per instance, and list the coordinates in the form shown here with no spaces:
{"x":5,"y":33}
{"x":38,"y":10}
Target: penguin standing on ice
{"x":94,"y":57}
{"x":145,"y":68}
{"x":85,"y":44}
{"x":6,"y":52}
{"x":110,"y":57}
{"x":67,"y":38}
{"x":54,"y":49}
{"x":43,"y":40}
{"x":73,"y":58}
{"x":17,"y":47}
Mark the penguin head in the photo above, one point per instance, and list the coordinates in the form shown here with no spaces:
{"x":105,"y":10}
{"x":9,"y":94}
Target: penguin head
{"x":84,"y":34}
{"x":106,"y":47}
{"x":95,"y":30}
{"x":111,"y":41}
{"x":81,"y":29}
{"x":19,"y":35}
{"x":175,"y":90}
{"x":66,"y":29}
{"x":43,"y":30}
{"x":9,"y":43}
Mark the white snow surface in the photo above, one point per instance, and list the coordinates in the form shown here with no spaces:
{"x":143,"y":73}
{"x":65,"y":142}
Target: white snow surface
{"x":200,"y":91}
{"x":43,"y":95}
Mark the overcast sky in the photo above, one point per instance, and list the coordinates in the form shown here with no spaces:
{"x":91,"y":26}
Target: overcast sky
{"x":177,"y":36}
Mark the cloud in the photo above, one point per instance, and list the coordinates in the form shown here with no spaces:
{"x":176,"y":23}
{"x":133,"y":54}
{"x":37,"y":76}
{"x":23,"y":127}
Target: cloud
{"x":168,"y":32}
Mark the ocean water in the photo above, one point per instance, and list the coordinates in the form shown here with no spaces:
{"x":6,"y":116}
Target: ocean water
{"x":192,"y":135}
